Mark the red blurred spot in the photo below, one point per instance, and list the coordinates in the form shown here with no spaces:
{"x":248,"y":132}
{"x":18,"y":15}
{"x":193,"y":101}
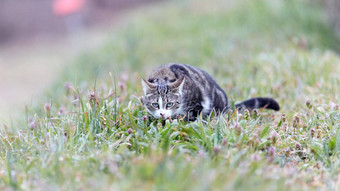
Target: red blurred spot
{"x":66,"y":7}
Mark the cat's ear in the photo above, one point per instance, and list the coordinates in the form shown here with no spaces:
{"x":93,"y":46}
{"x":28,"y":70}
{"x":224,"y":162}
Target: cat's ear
{"x":147,"y":85}
{"x":178,"y":84}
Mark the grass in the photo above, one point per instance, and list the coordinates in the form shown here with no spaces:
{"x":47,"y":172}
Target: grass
{"x":91,"y":133}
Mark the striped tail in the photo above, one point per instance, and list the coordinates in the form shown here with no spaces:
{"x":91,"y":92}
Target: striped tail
{"x":259,"y":102}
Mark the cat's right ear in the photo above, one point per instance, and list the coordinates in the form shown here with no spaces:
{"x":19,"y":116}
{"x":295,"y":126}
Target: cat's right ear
{"x":147,"y":86}
{"x":178,"y":84}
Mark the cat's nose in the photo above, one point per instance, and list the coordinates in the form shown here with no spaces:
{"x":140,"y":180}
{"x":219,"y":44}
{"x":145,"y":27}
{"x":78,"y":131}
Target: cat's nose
{"x":162,"y":114}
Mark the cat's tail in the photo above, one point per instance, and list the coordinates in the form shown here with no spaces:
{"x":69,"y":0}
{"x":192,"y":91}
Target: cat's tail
{"x":259,"y":102}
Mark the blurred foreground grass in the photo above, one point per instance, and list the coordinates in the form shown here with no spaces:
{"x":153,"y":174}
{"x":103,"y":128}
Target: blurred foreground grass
{"x":92,"y":133}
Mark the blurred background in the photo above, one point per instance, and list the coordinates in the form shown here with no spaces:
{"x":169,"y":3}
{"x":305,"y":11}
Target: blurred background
{"x":32,"y":20}
{"x":38,"y":38}
{"x":41,"y":39}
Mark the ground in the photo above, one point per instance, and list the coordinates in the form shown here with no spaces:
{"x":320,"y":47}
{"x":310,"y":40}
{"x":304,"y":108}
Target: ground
{"x":90,"y":131}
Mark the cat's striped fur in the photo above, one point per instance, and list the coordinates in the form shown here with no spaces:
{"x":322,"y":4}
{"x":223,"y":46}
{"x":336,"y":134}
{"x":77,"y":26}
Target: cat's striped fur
{"x":179,"y":89}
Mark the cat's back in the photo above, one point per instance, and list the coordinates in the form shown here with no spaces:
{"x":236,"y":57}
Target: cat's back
{"x":173,"y":71}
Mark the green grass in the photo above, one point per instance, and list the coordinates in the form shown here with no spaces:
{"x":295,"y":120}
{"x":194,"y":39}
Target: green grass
{"x":100,"y":140}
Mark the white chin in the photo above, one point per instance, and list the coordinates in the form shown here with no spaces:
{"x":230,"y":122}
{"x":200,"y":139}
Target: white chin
{"x":157,"y":116}
{"x":160,"y":117}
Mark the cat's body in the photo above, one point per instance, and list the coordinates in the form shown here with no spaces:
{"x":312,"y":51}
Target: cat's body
{"x":181,"y":90}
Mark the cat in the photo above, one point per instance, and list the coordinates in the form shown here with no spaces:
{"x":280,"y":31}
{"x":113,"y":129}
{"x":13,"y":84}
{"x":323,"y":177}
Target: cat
{"x":174,"y":90}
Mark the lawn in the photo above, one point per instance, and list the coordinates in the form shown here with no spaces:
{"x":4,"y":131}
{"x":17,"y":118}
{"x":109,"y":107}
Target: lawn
{"x":89,"y":130}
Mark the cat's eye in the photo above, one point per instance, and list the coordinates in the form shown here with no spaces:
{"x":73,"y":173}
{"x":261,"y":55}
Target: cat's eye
{"x":169,"y":104}
{"x":155,"y":105}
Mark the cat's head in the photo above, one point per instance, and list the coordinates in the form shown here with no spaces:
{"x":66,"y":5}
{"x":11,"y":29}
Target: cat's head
{"x":163,"y":100}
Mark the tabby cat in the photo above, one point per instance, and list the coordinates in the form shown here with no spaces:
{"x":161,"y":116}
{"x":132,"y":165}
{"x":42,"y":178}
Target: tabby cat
{"x":174,"y":90}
